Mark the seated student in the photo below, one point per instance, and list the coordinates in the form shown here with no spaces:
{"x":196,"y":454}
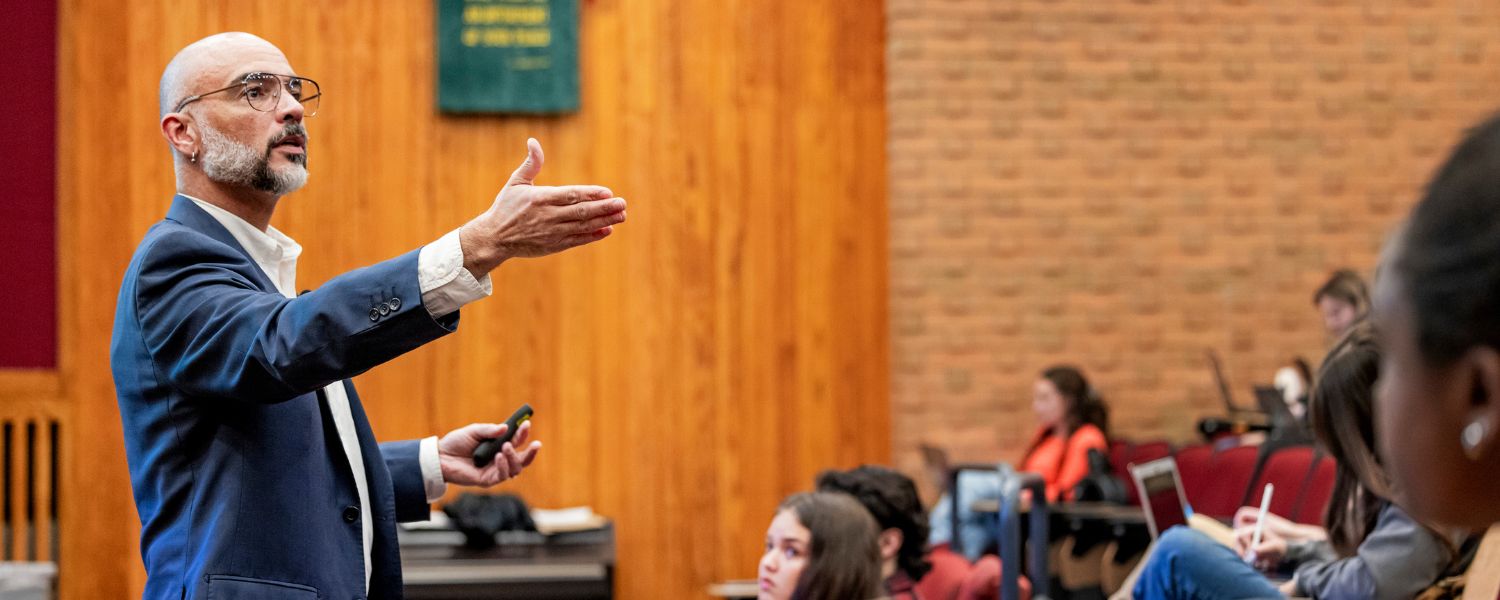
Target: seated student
{"x":820,"y":546}
{"x":1343,"y":300}
{"x":1369,"y":548}
{"x":1293,"y":381}
{"x":1436,"y":301}
{"x":1071,"y":420}
{"x":892,"y":499}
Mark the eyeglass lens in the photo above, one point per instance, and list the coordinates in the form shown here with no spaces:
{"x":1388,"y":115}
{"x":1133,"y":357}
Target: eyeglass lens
{"x":263,"y":91}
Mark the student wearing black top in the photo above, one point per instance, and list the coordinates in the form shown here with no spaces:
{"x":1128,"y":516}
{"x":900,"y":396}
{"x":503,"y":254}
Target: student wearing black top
{"x":892,"y":499}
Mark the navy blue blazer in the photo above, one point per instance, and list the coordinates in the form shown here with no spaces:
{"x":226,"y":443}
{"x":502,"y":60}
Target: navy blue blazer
{"x":240,"y":480}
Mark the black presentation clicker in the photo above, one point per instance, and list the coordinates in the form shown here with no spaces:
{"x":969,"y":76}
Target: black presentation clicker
{"x":485,"y":452}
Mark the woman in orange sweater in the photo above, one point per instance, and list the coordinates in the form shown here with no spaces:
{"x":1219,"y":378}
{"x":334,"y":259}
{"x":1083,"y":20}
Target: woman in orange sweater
{"x":1073,"y":419}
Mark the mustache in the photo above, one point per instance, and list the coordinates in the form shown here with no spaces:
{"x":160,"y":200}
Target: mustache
{"x":290,"y":130}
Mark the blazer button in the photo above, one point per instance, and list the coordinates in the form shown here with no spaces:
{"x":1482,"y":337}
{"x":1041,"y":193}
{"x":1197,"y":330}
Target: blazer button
{"x":374,"y":315}
{"x":384,"y":308}
{"x":395,"y":304}
{"x":351,"y":514}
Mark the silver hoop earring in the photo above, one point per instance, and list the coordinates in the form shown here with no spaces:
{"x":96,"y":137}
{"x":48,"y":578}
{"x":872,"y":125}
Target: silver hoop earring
{"x":1472,"y":435}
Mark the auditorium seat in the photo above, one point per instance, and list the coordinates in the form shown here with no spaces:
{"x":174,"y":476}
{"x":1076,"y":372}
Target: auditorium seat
{"x":1288,"y":469}
{"x":1221,"y":493}
{"x":1119,"y":457}
{"x":1195,"y":466}
{"x":1315,"y":493}
{"x":1116,"y":568}
{"x":1139,"y":454}
{"x":1148,"y":451}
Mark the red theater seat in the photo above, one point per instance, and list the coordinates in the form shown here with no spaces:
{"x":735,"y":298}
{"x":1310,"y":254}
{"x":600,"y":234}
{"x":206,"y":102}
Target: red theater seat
{"x":1119,"y":457}
{"x":1315,"y":493}
{"x":1195,"y":465}
{"x":1138,"y":454}
{"x":1222,"y":491}
{"x":1287,"y":469}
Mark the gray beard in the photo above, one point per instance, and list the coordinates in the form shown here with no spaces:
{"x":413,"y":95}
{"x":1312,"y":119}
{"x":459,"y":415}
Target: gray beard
{"x":230,"y":162}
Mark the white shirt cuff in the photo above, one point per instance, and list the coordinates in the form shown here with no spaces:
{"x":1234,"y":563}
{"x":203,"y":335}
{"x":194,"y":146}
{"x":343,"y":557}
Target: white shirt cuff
{"x":446,"y":285}
{"x":432,"y":470}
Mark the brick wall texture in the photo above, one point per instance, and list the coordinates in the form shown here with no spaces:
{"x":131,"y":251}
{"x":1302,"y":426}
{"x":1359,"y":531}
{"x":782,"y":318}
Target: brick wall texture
{"x":1125,"y":184}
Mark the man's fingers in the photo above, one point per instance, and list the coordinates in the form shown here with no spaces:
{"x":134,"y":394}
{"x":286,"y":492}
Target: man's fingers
{"x":531,"y":167}
{"x":565,"y":195}
{"x":598,"y":223}
{"x":523,"y":433}
{"x":530,"y":453}
{"x":512,"y":460}
{"x":591,"y":209}
{"x":483,"y":431}
{"x":498,"y":472}
{"x":573,"y":241}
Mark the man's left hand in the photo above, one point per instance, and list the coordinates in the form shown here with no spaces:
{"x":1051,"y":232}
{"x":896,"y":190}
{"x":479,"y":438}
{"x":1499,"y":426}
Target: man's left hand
{"x":456,"y":454}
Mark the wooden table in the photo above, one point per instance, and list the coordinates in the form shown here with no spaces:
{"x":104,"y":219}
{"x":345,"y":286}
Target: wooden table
{"x":436,"y":565}
{"x":738,"y":589}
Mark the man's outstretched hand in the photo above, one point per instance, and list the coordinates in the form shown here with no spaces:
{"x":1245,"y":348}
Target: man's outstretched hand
{"x":456,"y":454}
{"x":531,"y":220}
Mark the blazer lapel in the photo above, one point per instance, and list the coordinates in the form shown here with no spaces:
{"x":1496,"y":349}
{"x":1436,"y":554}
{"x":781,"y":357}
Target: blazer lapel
{"x":188,"y":213}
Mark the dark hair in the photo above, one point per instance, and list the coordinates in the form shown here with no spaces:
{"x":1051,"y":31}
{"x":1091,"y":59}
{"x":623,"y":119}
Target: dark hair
{"x":1348,"y":287}
{"x":1303,"y":369}
{"x":892,"y":499}
{"x":1446,"y":253}
{"x":1341,"y":414}
{"x":1085,"y":407}
{"x":844,"y":559}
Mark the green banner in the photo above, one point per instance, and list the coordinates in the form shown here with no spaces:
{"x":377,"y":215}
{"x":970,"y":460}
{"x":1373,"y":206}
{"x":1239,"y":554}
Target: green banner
{"x":507,"y":56}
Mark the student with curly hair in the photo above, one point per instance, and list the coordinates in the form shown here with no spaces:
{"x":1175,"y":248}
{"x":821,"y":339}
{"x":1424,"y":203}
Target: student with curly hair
{"x":892,"y":499}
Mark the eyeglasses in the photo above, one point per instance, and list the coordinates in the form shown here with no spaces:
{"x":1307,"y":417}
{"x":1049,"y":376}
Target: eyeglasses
{"x":263,"y":92}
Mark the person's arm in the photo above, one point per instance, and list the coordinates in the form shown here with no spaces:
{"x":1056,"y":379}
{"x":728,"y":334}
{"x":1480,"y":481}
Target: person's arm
{"x":1292,"y":532}
{"x":213,"y":333}
{"x":1397,"y":560}
{"x":408,"y":480}
{"x":1310,"y":551}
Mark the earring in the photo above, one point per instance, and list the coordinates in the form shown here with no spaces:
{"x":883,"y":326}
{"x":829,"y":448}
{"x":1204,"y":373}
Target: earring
{"x":1472,"y":435}
{"x":195,"y":157}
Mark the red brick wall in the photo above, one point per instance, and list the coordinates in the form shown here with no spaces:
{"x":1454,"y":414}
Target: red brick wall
{"x":1124,"y":184}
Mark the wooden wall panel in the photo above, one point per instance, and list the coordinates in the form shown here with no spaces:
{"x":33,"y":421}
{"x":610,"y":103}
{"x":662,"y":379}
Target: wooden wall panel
{"x":725,"y":345}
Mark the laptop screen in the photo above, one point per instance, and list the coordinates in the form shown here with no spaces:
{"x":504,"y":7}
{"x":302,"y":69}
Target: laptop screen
{"x":1161,"y":494}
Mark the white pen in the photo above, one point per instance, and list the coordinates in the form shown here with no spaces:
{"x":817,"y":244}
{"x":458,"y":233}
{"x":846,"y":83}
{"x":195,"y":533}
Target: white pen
{"x":1260,"y":521}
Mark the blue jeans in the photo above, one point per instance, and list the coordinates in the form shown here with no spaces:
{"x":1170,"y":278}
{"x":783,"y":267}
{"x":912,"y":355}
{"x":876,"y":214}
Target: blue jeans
{"x":1191,"y":566}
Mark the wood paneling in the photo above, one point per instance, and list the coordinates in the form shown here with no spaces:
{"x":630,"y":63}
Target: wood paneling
{"x":726,"y":344}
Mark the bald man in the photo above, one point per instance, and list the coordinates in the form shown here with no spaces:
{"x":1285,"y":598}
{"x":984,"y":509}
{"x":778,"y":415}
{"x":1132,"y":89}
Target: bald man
{"x":255,"y":471}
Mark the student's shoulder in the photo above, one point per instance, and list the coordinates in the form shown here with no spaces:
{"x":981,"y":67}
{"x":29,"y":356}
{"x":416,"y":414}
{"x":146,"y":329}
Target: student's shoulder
{"x":1090,"y":436}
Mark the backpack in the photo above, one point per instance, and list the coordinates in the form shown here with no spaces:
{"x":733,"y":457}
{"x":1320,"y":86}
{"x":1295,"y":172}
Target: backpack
{"x":1101,"y":484}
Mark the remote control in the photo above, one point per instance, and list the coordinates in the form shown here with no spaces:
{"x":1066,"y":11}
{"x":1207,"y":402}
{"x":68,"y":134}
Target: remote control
{"x":485,"y":452}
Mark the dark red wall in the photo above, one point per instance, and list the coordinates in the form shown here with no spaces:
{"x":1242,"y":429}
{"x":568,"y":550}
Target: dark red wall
{"x":28,"y":157}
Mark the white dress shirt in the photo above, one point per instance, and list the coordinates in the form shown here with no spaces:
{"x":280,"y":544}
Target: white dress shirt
{"x":446,"y":285}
